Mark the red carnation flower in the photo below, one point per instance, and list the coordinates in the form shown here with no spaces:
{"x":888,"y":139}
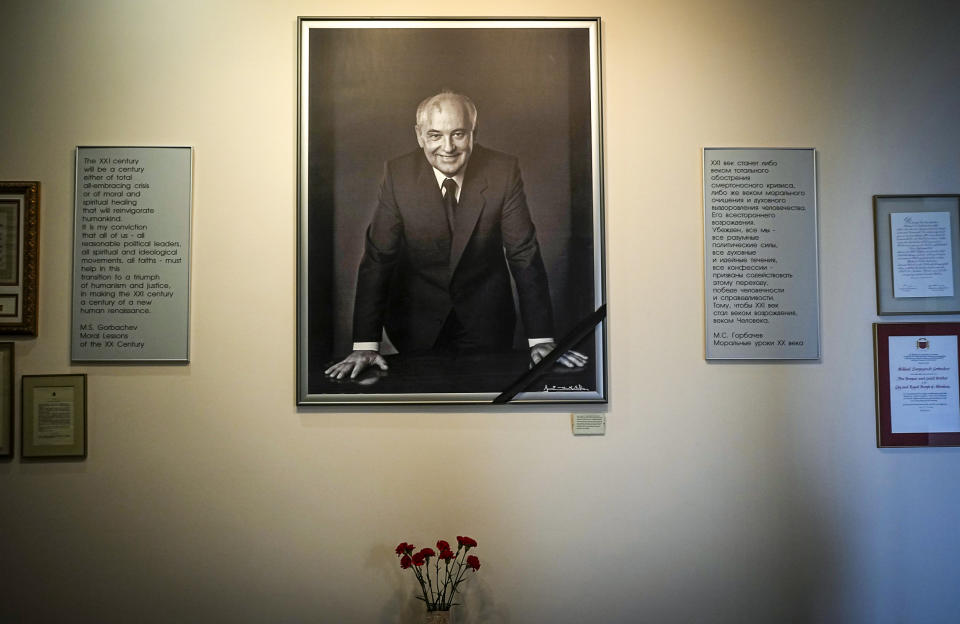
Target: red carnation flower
{"x":442,"y":545}
{"x":404,"y":562}
{"x":427,"y":552}
{"x":418,"y":559}
{"x":468,"y":542}
{"x":404,"y":547}
{"x":473,"y":562}
{"x":446,"y":554}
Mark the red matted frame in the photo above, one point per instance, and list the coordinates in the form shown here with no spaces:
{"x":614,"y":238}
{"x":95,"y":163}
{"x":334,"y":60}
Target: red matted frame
{"x":881,"y":351}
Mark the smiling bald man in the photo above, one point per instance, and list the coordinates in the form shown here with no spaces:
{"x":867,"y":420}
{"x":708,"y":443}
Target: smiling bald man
{"x":450,"y":228}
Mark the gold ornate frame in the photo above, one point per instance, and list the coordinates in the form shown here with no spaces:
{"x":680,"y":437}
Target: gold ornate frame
{"x":19,"y":296}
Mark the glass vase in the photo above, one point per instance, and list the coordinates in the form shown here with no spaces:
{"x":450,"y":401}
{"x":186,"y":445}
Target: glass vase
{"x":437,"y":617}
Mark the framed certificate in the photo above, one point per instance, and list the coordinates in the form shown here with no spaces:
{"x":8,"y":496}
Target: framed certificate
{"x":6,"y":399}
{"x":19,"y":257}
{"x":53,"y":416}
{"x":918,"y":389}
{"x":917,"y":241}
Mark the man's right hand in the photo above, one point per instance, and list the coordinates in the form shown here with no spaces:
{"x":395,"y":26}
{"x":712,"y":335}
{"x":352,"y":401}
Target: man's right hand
{"x":355,"y":363}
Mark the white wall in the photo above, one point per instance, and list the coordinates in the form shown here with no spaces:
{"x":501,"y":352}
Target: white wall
{"x":721,"y":493}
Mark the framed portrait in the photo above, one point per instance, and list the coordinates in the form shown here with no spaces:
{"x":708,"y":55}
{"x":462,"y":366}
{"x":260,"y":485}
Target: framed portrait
{"x":6,"y":399}
{"x":450,"y":231}
{"x":917,"y":242}
{"x":918,"y":389}
{"x":53,"y":416}
{"x":19,"y":257}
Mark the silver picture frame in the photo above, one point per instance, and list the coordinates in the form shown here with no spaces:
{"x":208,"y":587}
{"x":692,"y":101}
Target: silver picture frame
{"x":887,"y":206}
{"x":536,"y":86}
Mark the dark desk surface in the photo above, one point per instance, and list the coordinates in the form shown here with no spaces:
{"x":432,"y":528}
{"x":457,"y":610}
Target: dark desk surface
{"x":440,"y":372}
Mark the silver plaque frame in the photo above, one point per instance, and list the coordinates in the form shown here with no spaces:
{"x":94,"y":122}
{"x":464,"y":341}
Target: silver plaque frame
{"x":765,"y":336}
{"x":165,"y":331}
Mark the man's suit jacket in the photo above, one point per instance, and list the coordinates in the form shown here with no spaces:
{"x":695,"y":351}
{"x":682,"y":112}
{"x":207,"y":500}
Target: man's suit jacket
{"x":414,"y":273}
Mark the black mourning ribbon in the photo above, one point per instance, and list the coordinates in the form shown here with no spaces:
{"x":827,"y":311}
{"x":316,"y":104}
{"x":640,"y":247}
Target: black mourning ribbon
{"x":575,"y":335}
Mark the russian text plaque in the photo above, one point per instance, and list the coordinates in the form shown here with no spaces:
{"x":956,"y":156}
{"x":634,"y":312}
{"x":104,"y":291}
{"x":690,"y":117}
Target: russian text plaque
{"x":131,"y":254}
{"x":760,"y":253}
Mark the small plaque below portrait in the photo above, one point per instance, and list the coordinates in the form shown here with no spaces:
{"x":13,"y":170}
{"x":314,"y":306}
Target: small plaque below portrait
{"x":589,"y":424}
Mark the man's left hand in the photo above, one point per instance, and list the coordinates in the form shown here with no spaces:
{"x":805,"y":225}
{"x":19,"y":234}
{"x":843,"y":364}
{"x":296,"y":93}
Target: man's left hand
{"x":570,"y":359}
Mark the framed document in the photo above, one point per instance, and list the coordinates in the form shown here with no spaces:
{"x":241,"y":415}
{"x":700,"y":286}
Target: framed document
{"x":438,"y":261}
{"x":917,"y":241}
{"x":6,"y":399}
{"x":19,"y":257}
{"x":918,"y":389}
{"x":53,"y":416}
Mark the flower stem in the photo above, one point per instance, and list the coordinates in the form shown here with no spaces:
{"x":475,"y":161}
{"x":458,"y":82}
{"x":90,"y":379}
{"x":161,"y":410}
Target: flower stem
{"x":440,"y":588}
{"x":460,"y":571}
{"x":423,"y":588}
{"x":446,"y":583}
{"x":432,"y":602}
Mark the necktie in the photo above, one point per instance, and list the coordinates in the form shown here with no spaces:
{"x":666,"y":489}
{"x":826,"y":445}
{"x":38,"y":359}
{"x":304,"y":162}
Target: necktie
{"x":450,"y":200}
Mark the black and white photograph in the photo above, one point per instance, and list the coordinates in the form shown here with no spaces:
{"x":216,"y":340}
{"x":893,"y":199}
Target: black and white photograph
{"x":450,"y":211}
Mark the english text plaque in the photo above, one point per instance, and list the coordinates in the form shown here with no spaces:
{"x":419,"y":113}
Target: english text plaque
{"x":131,"y":254}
